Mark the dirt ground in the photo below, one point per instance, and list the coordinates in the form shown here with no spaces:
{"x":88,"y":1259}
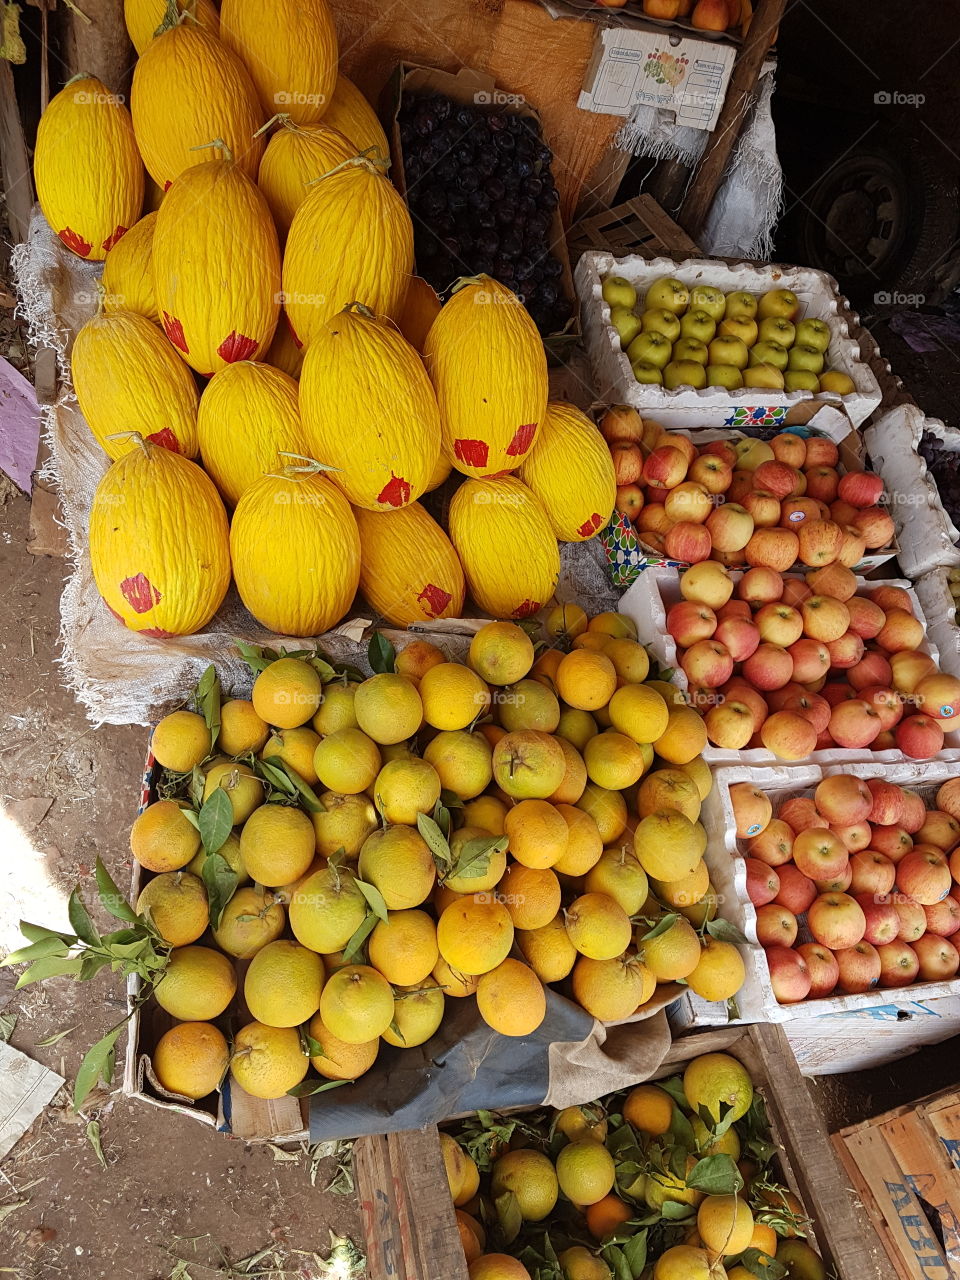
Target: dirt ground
{"x":171,"y":1189}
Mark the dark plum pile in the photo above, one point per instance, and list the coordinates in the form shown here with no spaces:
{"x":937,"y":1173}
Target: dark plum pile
{"x":944,"y":466}
{"x":483,"y":200}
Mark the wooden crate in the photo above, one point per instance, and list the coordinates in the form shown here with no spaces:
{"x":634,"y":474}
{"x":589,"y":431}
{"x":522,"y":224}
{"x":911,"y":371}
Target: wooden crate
{"x":409,"y":1218}
{"x":905,"y":1166}
{"x":636,"y":226}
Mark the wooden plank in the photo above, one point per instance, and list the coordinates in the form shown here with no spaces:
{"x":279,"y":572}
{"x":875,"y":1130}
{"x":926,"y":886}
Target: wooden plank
{"x":637,"y":225}
{"x":930,"y":1175}
{"x":866,"y":1197}
{"x":94,"y":39}
{"x":943,"y":1116}
{"x":47,"y":535}
{"x":17,"y":180}
{"x":739,"y":97}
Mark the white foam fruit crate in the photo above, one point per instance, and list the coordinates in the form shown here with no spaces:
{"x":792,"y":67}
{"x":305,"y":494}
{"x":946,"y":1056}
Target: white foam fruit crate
{"x":940,"y":611}
{"x":647,"y":603}
{"x":725,"y":859}
{"x":819,"y":298}
{"x":927,"y":537}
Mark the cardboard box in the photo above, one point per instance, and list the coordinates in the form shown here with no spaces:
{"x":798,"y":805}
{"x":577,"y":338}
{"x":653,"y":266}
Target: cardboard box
{"x":858,"y":1039}
{"x":475,"y":88}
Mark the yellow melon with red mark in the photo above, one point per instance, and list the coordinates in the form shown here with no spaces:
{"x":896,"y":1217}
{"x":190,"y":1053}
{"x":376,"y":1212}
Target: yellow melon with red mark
{"x":489,"y":370}
{"x":571,"y":472}
{"x":216,"y":267}
{"x":290,"y":49}
{"x":88,"y":172}
{"x":159,"y":543}
{"x":505,"y":543}
{"x":128,"y":378}
{"x":409,"y":571}
{"x":368,"y":409}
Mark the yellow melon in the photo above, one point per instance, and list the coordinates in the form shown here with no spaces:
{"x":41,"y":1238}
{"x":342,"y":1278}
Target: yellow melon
{"x":87,"y":170}
{"x":420,"y":308}
{"x":409,"y":571}
{"x":248,"y":416}
{"x":506,"y":546}
{"x":216,"y":267}
{"x":284,"y":352}
{"x":188,"y":91}
{"x":352,"y":114}
{"x":296,"y":552}
{"x":143,"y":17}
{"x":571,"y":472}
{"x":350,"y":241}
{"x":492,"y":403}
{"x":159,"y":543}
{"x":127,"y":378}
{"x":295,"y":156}
{"x":368,"y":409}
{"x":128,"y":272}
{"x":290,"y":49}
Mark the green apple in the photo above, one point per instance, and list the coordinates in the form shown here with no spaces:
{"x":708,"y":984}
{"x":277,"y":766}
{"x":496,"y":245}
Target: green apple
{"x":837,"y":382}
{"x":669,"y":294}
{"x":777,"y":329}
{"x":814,"y":333}
{"x":690,"y":349}
{"x":704,"y":297}
{"x":729,"y":350}
{"x":800,"y":380}
{"x":740,"y":303}
{"x":778,"y":302}
{"x":724,"y":375}
{"x":660,"y":320}
{"x":618,"y":292}
{"x":651,"y":348}
{"x":741,"y":327}
{"x":626,"y":323}
{"x":750,"y":453}
{"x":644,"y":371}
{"x":805,"y":358}
{"x":767,"y":376}
{"x":769,"y":353}
{"x":698,"y":324}
{"x":684,"y":373}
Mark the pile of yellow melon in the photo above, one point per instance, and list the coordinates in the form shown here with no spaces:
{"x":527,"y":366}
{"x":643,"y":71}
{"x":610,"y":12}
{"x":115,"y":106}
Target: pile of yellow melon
{"x":252,"y":241}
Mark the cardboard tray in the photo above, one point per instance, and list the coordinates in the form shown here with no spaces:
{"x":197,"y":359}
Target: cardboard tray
{"x":818,"y":295}
{"x":409,"y":1218}
{"x":725,"y":859}
{"x":470,"y":87}
{"x":927,"y":536}
{"x":647,"y":603}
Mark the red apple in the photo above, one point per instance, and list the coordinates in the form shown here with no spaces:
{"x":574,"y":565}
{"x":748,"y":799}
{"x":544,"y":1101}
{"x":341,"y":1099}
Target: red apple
{"x":888,"y":597}
{"x":824,"y":618}
{"x":854,"y":724}
{"x":910,"y":667}
{"x":779,"y":623}
{"x":665,"y":467}
{"x":796,"y":890}
{"x":688,"y":542}
{"x":821,"y":452}
{"x":811,"y":660}
{"x":914,"y":813}
{"x":740,"y":636}
{"x":948,"y":798}
{"x":876,"y":526}
{"x":734,"y":609}
{"x":730,"y":527}
{"x":776,"y":926}
{"x":843,"y":513}
{"x":836,"y":921}
{"x":866,"y":619}
{"x":797,"y":511}
{"x":741,"y":483}
{"x":688,"y":622}
{"x":884,"y":741}
{"x":812,"y":707}
{"x":795,"y":591}
{"x":819,"y":854}
{"x":711,"y":471}
{"x":845,"y":652}
{"x":873,"y":671}
{"x":872,"y":873}
{"x":822,"y":483}
{"x":836,"y":884}
{"x":833,"y":580}
{"x":620,"y":422}
{"x":800,"y":814}
{"x":820,"y":542}
{"x":774,"y":845}
{"x":912,"y":917}
{"x":835,"y":692}
{"x":778,"y":478}
{"x":772,"y":549}
{"x":854,"y":546}
{"x":729,"y":724}
{"x":892,"y":842}
{"x":629,"y":500}
{"x":919,"y":737}
{"x":923,"y":876}
{"x":860,"y":488}
{"x":855,"y":837}
{"x":763,"y":508}
{"x":790,"y":449}
{"x":752,"y":809}
{"x":883,"y":923}
{"x":900,"y":631}
{"x":822,"y":967}
{"x":763,"y":883}
{"x":627,"y":462}
{"x":939,"y":958}
{"x":721,"y":449}
{"x":789,"y":976}
{"x":652,"y":519}
{"x":938,"y":696}
{"x":899,"y":964}
{"x":843,"y":798}
{"x":788,"y":735}
{"x":886,"y":802}
{"x":760,"y":585}
{"x":943,"y":918}
{"x":740,"y":691}
{"x":706,"y":583}
{"x":768,"y":667}
{"x":859,"y":968}
{"x":707,"y":663}
{"x":939,"y":828}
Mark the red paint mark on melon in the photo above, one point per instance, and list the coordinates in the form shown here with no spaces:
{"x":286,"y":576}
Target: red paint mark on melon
{"x":293,"y":332}
{"x":156,"y":633}
{"x":75,"y":241}
{"x":591,"y":525}
{"x":434,"y":600}
{"x":168,"y":184}
{"x":111,"y":240}
{"x":527,"y":609}
{"x":173,"y":328}
{"x":396,"y":492}
{"x":165,"y":439}
{"x":112,"y":610}
{"x":140,"y":593}
{"x":237,"y":346}
{"x":473,"y":452}
{"x":522,"y":439}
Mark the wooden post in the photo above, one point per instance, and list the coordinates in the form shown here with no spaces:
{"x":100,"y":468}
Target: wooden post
{"x":740,"y":94}
{"x":17,"y":182}
{"x":93,"y":38}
